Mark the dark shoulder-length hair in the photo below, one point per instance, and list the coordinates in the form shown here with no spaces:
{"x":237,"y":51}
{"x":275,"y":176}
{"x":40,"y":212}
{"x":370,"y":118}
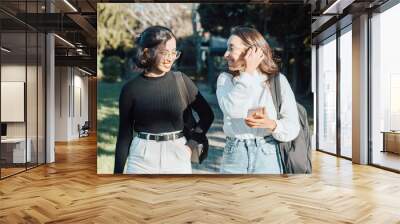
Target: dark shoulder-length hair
{"x":251,"y":37}
{"x":147,"y":43}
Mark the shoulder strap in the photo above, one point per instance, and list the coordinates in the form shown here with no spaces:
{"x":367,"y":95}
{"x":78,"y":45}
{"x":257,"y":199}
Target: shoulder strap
{"x":275,"y":86}
{"x":183,"y":92}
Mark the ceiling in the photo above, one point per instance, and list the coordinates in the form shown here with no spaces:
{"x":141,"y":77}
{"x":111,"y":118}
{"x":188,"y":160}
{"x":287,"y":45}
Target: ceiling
{"x":74,"y":22}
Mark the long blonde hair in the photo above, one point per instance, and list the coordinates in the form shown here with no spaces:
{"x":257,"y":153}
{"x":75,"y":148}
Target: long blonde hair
{"x":251,"y":37}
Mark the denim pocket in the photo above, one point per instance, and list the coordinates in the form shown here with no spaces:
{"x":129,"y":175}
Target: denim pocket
{"x":268,"y":149}
{"x":230,"y":147}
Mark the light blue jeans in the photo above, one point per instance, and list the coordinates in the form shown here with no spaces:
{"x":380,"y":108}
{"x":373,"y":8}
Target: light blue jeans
{"x":251,"y":156}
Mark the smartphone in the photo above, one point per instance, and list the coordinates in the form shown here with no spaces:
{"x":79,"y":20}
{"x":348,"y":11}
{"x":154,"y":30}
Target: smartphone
{"x":252,"y":111}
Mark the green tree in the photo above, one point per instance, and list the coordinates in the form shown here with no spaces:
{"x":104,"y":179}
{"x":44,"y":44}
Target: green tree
{"x":115,"y":27}
{"x":287,"y":27}
{"x":112,"y":68}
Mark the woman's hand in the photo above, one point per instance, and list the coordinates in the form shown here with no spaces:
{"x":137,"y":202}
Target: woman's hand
{"x":259,"y":120}
{"x":253,"y":58}
{"x":188,"y":149}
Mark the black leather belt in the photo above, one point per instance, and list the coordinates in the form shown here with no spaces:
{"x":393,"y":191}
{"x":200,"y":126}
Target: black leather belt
{"x":159,"y":138}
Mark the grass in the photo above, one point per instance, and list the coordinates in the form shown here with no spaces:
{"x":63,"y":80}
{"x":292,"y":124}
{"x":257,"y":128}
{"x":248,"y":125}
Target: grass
{"x":107,"y":130}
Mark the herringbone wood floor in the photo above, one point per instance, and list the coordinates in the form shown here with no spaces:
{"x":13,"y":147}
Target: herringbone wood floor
{"x":70,"y":191}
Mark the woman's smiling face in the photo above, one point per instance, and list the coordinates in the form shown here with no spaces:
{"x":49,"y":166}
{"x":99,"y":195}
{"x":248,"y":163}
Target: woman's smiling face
{"x":235,"y":53}
{"x":166,"y":55}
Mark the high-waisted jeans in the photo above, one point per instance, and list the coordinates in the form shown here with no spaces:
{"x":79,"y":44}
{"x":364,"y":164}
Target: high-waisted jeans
{"x":251,"y":156}
{"x":159,"y":157}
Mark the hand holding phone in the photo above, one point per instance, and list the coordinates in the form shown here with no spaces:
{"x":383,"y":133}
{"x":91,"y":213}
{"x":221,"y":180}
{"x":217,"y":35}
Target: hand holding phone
{"x":251,"y":112}
{"x":258,"y":118}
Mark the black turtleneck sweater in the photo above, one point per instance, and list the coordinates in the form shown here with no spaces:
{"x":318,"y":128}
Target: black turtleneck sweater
{"x":153,"y":105}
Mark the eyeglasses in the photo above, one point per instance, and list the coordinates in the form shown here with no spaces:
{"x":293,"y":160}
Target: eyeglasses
{"x":173,"y":54}
{"x":235,"y":49}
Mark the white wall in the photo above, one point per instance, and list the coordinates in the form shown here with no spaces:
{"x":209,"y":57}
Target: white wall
{"x":70,"y":83}
{"x":12,"y":100}
{"x":33,"y":126}
{"x":80,"y":94}
{"x":61,"y":103}
{"x":14,"y":72}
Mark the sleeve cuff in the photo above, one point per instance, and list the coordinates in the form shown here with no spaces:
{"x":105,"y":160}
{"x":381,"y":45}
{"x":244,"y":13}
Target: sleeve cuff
{"x":278,"y":128}
{"x":192,"y":144}
{"x":196,"y":139}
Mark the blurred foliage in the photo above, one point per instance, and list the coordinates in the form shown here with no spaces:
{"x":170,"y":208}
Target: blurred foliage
{"x":287,"y":28}
{"x":107,"y":124}
{"x":276,"y":20}
{"x":114,"y":27}
{"x":115,"y":36}
{"x":112,"y":68}
{"x":118,"y":27}
{"x":187,"y":45}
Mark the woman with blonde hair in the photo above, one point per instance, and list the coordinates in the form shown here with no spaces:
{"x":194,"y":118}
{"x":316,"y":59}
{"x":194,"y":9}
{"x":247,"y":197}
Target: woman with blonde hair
{"x":250,"y":119}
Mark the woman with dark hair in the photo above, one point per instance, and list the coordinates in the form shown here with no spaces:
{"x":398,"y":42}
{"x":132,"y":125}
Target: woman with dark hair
{"x":250,"y":119}
{"x":152,"y":106}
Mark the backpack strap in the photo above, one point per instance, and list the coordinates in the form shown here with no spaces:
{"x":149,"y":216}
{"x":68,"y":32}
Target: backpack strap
{"x":275,"y":86}
{"x":183,"y":92}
